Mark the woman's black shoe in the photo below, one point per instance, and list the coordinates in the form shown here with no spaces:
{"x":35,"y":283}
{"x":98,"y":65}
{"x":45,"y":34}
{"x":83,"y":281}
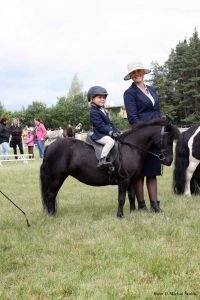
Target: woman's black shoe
{"x":142,"y":205}
{"x":155,"y":207}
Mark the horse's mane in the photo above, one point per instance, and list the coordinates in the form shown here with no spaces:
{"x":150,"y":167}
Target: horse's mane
{"x":134,"y":128}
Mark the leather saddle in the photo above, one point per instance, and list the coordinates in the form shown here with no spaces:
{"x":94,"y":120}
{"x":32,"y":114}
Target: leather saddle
{"x":98,"y":149}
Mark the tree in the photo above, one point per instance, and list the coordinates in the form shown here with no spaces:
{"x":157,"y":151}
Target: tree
{"x":75,"y":88}
{"x":178,"y":81}
{"x":35,"y":110}
{"x":2,"y":110}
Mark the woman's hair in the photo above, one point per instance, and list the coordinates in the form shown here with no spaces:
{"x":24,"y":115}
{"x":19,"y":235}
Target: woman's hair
{"x":4,"y":119}
{"x":16,"y":120}
{"x":38,"y":119}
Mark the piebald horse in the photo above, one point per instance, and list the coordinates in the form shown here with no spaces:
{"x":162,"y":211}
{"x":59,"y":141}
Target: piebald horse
{"x":186,"y":178}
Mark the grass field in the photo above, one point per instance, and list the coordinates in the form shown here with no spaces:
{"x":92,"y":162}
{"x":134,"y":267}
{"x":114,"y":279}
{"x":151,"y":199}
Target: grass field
{"x":85,"y":252}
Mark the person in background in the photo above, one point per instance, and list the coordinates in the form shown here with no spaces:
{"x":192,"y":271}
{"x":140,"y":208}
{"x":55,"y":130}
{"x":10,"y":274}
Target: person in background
{"x":78,"y":130}
{"x":24,"y":133}
{"x":69,"y":132}
{"x":40,"y":136}
{"x":142,"y":104}
{"x":29,"y":141}
{"x":104,"y":131}
{"x":4,"y":138}
{"x":16,"y":137}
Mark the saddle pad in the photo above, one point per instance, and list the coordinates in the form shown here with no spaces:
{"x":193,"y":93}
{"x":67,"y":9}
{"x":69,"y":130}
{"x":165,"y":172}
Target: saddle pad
{"x":98,"y":149}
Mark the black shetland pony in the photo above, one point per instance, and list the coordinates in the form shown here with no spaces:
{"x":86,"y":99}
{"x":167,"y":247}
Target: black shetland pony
{"x":73,"y":157}
{"x":186,"y":177}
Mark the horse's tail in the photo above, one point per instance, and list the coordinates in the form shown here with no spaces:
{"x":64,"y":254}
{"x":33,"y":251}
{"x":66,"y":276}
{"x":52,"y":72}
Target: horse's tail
{"x":48,"y":206}
{"x":180,"y":166}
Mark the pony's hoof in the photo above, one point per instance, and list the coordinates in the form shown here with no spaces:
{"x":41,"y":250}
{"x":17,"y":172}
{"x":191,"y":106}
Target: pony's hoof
{"x":51,"y":214}
{"x":120,"y":215}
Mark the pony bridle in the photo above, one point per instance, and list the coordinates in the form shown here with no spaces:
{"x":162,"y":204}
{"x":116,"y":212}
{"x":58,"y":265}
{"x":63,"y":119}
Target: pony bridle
{"x":161,"y":156}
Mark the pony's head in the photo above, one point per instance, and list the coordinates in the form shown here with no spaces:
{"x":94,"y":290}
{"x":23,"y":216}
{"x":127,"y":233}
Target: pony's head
{"x":168,"y":134}
{"x":160,"y":134}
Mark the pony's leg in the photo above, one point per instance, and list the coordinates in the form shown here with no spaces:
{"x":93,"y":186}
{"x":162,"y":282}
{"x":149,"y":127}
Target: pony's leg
{"x":50,"y":185}
{"x":131,"y":196}
{"x":189,"y":173}
{"x":121,"y":200}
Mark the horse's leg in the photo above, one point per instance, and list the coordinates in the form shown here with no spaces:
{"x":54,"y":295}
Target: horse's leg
{"x":51,"y":193}
{"x":131,"y":196}
{"x":122,"y":188}
{"x":188,"y":175}
{"x":50,"y":186}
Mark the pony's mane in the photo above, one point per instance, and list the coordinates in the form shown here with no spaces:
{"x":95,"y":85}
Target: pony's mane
{"x":155,"y":122}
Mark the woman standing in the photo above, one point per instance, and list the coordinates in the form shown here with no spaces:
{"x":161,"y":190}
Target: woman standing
{"x":40,"y":135}
{"x":16,"y":137}
{"x":4,"y":138}
{"x":142,"y":104}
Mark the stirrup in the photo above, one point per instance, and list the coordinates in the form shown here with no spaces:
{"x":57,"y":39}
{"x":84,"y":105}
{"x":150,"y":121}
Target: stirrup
{"x":103,"y":163}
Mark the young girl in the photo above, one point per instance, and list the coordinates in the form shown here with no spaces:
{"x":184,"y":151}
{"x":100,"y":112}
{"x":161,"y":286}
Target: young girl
{"x":104,"y":132}
{"x":30,"y":142}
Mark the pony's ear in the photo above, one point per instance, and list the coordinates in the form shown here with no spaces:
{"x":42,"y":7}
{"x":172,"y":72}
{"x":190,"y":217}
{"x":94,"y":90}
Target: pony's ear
{"x":168,"y":127}
{"x":168,"y":118}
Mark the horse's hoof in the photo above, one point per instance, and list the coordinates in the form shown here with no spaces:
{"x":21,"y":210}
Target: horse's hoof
{"x":51,"y":214}
{"x":120,"y":215}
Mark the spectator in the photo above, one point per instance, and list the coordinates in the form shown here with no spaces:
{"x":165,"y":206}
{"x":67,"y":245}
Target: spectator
{"x":69,"y":132}
{"x":4,"y":138}
{"x":78,"y":130}
{"x":16,"y":137}
{"x":40,"y":136}
{"x":30,"y":141}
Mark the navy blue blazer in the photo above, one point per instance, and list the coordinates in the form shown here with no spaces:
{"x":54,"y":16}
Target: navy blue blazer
{"x":139,"y":107}
{"x":102,"y":125}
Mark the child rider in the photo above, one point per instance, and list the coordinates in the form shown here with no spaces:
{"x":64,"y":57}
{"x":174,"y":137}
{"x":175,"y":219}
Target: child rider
{"x":104,"y":132}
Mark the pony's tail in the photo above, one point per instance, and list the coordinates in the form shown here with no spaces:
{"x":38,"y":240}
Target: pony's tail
{"x":48,"y":205}
{"x":180,"y":166}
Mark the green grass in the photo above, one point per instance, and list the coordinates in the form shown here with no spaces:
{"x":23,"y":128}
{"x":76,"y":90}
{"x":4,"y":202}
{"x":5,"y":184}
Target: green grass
{"x":85,"y":252}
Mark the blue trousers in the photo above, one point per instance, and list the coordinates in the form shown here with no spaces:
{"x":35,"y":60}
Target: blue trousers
{"x":41,"y":146}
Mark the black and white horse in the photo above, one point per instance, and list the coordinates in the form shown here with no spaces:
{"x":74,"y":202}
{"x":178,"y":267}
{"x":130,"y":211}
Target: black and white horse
{"x":186,"y":179}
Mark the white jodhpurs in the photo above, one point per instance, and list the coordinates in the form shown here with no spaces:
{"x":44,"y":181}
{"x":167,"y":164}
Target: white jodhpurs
{"x":108,"y":143}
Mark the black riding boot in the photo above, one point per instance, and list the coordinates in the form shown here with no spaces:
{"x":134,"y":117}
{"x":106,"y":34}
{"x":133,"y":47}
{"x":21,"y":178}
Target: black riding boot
{"x":142,"y":205}
{"x":103,"y":163}
{"x":155,"y":207}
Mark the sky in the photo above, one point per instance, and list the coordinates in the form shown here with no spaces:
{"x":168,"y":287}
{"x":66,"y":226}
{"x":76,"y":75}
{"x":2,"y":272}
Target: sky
{"x":44,"y":43}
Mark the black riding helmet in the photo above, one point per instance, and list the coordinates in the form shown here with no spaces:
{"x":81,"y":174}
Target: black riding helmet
{"x":96,"y":91}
